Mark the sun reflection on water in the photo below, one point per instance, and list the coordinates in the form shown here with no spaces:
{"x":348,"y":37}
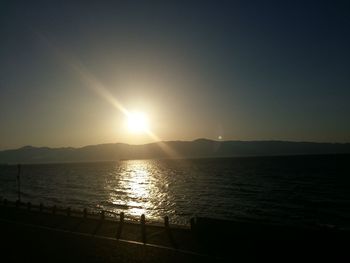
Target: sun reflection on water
{"x":136,"y":188}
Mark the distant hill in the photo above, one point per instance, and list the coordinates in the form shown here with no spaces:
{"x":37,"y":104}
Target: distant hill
{"x":201,"y":148}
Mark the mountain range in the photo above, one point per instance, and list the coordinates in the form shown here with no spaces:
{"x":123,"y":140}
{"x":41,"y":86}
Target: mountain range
{"x":200,"y":148}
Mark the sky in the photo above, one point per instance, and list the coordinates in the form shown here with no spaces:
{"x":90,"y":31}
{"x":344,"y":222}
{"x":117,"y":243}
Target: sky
{"x":230,"y":70}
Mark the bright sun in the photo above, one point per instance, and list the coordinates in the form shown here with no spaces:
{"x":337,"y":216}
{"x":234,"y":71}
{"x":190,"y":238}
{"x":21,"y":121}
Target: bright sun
{"x":137,"y":122}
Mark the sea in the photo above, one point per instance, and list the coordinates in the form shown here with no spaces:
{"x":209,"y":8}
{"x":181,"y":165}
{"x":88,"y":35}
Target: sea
{"x":288,"y":190}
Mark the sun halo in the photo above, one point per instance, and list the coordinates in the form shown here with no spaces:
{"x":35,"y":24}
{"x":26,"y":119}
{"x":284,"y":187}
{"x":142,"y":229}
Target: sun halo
{"x":137,"y":122}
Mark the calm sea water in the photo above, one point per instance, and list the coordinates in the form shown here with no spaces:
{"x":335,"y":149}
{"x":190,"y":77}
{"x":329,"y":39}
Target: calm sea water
{"x":287,"y":190}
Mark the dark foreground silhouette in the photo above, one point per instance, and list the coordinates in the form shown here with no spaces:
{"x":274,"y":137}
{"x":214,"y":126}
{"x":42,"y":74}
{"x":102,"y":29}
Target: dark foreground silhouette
{"x":32,"y":235}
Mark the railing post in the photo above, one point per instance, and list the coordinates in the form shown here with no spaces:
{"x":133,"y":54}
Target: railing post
{"x":19,"y":182}
{"x":121,"y":223}
{"x":193,"y":224}
{"x":85,"y":213}
{"x":168,"y":231}
{"x":54,"y":208}
{"x":166,"y":222}
{"x":143,"y":228}
{"x":100,"y":222}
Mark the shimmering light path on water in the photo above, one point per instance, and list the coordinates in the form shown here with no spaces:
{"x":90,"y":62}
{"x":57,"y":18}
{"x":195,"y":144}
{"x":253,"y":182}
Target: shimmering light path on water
{"x":304,"y":189}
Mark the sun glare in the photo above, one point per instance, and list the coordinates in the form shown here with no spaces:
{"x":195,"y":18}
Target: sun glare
{"x":137,"y":122}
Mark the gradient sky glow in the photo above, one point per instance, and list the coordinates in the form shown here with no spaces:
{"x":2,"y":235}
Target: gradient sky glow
{"x":243,"y":70}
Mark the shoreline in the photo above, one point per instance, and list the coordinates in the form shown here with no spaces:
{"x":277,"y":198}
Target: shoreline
{"x":185,"y":158}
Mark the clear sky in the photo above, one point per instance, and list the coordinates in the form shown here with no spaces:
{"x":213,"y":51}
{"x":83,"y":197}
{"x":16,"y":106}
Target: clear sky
{"x":242,"y":70}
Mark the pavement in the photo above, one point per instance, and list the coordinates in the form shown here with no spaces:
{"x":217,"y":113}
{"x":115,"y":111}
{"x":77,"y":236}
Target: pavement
{"x":28,"y":234}
{"x":31,"y":233}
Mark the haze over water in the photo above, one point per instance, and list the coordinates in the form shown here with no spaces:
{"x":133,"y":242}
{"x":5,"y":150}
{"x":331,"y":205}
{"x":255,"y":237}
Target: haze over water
{"x":288,"y":190}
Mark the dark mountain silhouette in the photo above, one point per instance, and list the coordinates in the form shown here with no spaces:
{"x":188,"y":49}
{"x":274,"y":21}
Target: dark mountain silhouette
{"x":200,"y":148}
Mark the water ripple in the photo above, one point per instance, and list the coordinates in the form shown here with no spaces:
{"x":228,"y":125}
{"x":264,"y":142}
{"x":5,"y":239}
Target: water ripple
{"x":231,"y":188}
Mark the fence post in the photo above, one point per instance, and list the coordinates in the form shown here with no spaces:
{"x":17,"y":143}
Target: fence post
{"x":85,"y":213}
{"x":143,"y":228}
{"x":166,"y":222}
{"x":167,"y":229}
{"x":121,"y":222}
{"x":193,"y":224}
{"x":54,"y":208}
{"x":19,"y":182}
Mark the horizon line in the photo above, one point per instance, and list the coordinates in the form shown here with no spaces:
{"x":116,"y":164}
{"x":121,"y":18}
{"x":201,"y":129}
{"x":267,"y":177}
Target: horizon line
{"x":167,"y":141}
